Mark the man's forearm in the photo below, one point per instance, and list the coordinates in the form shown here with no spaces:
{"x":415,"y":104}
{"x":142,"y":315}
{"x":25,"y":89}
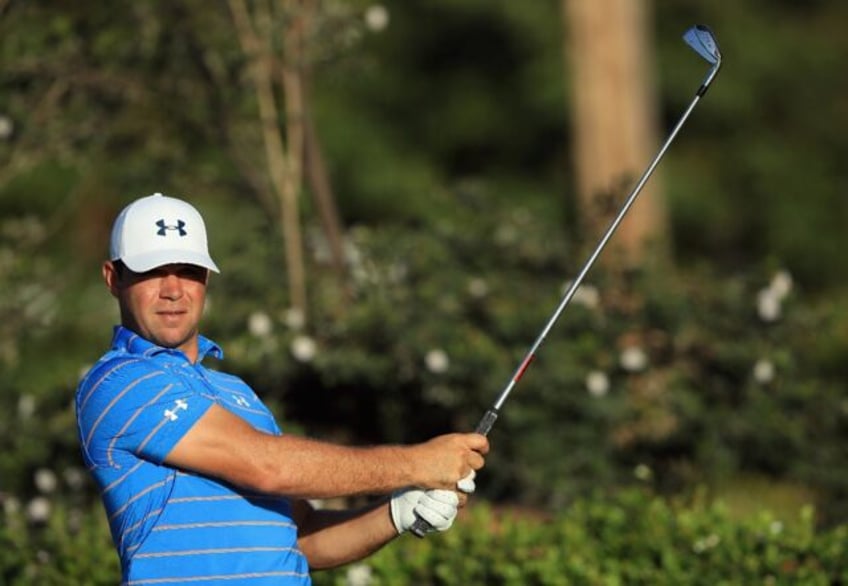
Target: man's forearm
{"x":224,"y":446}
{"x":330,"y":538}
{"x":304,"y":468}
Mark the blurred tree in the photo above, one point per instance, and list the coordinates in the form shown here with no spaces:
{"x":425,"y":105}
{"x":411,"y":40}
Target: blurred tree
{"x":284,"y":158}
{"x":615,"y":123}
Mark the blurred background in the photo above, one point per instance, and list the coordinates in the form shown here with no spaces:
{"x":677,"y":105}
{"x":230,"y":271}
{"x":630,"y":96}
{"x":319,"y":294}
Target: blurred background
{"x":398,"y":194}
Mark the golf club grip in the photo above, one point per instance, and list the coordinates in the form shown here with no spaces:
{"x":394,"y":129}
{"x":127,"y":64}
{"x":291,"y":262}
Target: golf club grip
{"x":487,"y":421}
{"x":420,"y":527}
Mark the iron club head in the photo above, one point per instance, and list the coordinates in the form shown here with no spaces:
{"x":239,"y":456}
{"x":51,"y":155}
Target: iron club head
{"x":702,"y":40}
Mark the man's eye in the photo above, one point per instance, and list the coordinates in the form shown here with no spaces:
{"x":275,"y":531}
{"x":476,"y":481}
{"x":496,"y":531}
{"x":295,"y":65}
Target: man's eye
{"x":193,"y":273}
{"x":151,"y":274}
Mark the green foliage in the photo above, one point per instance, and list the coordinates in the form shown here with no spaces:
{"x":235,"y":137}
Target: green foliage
{"x":779,"y":189}
{"x":59,"y":546}
{"x":689,"y":376}
{"x":629,"y":537}
{"x":446,"y":137}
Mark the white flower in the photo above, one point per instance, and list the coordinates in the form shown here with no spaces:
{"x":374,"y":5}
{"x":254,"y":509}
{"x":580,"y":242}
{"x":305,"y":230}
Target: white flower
{"x":781,"y":284}
{"x":588,"y":296}
{"x":26,"y":406}
{"x":75,"y":521}
{"x":45,"y":480}
{"x":352,"y":253}
{"x":361,"y":275}
{"x":440,"y":395}
{"x":376,"y":18}
{"x":713,"y":540}
{"x":763,"y":371}
{"x":259,"y":324}
{"x":478,"y":288}
{"x":397,"y":272}
{"x":506,"y":235}
{"x":633,"y":359}
{"x":768,"y":305}
{"x":585,"y":295}
{"x":706,"y":543}
{"x":38,"y":509}
{"x":74,"y":478}
{"x":11,"y":505}
{"x":294,"y":318}
{"x":597,"y":383}
{"x":303,"y":348}
{"x":437,"y":361}
{"x":643,"y":472}
{"x":359,"y":575}
{"x":7,"y":127}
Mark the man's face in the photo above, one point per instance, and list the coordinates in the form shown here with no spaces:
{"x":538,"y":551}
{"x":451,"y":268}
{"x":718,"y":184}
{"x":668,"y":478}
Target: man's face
{"x":163,"y":305}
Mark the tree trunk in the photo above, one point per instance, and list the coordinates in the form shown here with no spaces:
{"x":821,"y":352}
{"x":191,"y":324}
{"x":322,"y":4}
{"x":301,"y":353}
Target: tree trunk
{"x":284,"y":164}
{"x":317,"y":174}
{"x":615,"y":121}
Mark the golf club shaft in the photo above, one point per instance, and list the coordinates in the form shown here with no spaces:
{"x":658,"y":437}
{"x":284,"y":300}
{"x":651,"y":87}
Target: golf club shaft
{"x":701,"y":39}
{"x":488,"y":419}
{"x":419,"y":528}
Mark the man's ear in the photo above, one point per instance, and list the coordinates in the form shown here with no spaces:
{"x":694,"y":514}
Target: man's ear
{"x":111,"y":277}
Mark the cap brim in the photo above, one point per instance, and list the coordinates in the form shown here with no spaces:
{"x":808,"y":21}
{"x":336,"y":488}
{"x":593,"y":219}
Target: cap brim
{"x":141,"y":263}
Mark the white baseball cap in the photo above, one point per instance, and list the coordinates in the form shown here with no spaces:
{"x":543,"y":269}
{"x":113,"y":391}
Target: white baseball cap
{"x":159,"y":230}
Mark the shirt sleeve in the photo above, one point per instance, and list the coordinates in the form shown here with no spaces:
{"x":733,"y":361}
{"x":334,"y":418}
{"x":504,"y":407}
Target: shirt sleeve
{"x":138,"y":410}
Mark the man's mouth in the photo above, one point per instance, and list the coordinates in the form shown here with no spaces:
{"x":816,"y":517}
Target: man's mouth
{"x":171,"y":314}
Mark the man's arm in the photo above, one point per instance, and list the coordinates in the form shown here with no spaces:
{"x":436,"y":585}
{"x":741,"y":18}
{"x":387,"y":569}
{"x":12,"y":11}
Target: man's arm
{"x":331,"y":538}
{"x":224,"y":446}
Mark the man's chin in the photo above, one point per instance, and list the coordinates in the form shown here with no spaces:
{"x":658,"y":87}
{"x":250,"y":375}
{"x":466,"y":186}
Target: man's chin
{"x":172,"y":340}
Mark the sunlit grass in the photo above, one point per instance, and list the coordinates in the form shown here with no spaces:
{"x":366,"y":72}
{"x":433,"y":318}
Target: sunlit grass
{"x":746,"y":496}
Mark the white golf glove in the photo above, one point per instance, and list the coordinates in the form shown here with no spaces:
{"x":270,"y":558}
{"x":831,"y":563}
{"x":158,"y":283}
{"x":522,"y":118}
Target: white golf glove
{"x":467,"y":484}
{"x":437,"y":507}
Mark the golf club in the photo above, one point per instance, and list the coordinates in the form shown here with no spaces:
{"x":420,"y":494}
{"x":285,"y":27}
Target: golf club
{"x":702,"y":40}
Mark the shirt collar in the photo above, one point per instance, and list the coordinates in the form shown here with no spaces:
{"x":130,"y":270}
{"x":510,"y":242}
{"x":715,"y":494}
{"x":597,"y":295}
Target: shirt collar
{"x":128,"y":341}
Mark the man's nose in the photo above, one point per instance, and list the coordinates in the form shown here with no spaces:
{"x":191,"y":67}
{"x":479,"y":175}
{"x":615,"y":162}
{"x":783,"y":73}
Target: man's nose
{"x":171,"y":287}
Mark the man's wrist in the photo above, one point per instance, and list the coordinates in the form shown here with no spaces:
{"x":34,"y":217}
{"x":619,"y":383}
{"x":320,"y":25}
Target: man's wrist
{"x":402,"y":463}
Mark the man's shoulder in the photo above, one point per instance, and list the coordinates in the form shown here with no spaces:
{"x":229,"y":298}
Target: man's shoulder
{"x":223,"y":376}
{"x":119,"y":367}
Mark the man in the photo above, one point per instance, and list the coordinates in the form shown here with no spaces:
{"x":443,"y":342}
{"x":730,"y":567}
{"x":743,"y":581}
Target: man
{"x":199,"y":483}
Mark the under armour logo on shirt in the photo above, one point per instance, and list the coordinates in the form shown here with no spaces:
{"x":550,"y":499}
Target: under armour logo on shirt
{"x":163,"y":227}
{"x":179,"y":404}
{"x":241,"y":401}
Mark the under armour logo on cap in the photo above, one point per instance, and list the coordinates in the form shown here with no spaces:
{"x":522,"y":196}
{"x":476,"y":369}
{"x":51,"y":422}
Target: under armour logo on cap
{"x":163,"y":228}
{"x":158,"y":230}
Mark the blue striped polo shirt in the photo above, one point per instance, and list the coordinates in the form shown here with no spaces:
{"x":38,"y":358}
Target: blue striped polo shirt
{"x":169,"y":526}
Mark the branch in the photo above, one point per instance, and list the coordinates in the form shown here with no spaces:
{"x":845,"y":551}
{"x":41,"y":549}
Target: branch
{"x":283,"y":177}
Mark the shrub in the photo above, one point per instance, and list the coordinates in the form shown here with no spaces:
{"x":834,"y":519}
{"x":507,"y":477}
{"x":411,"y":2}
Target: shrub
{"x":630,"y":538}
{"x":56,"y":546}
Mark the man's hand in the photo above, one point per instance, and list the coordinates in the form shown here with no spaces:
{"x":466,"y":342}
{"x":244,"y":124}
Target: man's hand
{"x":445,"y":460}
{"x":437,"y":507}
